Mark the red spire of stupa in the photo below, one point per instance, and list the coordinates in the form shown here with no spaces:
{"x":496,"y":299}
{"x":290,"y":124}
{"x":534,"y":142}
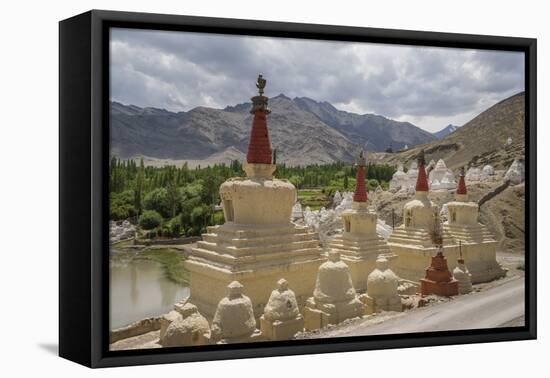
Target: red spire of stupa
{"x":259,"y":147}
{"x":360,"y":194}
{"x":422,"y":179}
{"x":461,"y":188}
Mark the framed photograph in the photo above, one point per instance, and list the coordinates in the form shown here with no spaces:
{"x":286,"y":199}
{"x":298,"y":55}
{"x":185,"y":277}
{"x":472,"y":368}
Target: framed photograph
{"x":236,"y":188}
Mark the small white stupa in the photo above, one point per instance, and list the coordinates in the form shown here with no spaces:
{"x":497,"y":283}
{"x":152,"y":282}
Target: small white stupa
{"x":399,"y":179}
{"x":463,"y":276}
{"x":334,"y":298}
{"x":516,"y":173}
{"x":412,"y":173}
{"x":473,"y":174}
{"x":185,"y":326}
{"x":441,"y":177}
{"x":382,"y":287}
{"x":281,"y":319}
{"x":487,"y":173}
{"x":234,"y":320}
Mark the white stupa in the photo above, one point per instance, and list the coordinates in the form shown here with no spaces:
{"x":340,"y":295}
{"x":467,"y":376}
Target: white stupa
{"x":441,"y":177}
{"x":516,"y":173}
{"x":399,"y":179}
{"x":473,"y":174}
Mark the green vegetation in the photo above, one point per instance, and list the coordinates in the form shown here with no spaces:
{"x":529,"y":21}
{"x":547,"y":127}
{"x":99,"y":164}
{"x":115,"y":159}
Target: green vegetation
{"x":178,"y":201}
{"x":150,"y":219}
{"x":314,"y":199}
{"x":171,"y":261}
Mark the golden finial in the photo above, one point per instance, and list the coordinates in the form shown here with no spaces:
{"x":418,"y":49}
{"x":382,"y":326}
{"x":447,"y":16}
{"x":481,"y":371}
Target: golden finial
{"x":260,"y":84}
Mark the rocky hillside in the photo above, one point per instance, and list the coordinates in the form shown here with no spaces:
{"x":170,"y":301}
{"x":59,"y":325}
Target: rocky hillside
{"x":445,"y":131}
{"x":370,"y":131}
{"x":483,"y":140}
{"x":302,"y":130}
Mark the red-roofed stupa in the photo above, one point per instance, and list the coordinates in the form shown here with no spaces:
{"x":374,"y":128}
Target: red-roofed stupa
{"x":360,"y":194}
{"x":439,"y":280}
{"x":259,"y":147}
{"x":258,"y":241}
{"x":422,"y":179}
{"x":359,"y":244}
{"x":461,"y":191}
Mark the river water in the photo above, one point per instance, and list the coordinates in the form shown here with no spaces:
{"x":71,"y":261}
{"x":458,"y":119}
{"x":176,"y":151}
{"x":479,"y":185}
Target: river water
{"x":140,"y":290}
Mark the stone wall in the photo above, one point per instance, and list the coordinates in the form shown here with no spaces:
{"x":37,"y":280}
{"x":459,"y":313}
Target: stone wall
{"x":135,"y":329}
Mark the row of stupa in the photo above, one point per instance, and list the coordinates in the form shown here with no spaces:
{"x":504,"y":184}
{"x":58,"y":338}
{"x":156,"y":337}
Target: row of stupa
{"x":442,"y":178}
{"x":334,"y":300}
{"x":439,"y":178}
{"x":258,"y":244}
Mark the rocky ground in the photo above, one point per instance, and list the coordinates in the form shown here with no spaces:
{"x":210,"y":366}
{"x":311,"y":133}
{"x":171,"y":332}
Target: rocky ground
{"x":503,"y":292}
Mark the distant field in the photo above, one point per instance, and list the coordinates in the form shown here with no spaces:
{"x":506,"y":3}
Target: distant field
{"x":315,"y":199}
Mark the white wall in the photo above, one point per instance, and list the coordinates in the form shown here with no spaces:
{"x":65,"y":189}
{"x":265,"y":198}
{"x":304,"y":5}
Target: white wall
{"x":29,"y":176}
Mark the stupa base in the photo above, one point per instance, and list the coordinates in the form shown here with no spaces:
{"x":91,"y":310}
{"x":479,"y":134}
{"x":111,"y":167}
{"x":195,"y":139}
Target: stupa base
{"x":322,"y":315}
{"x":208,"y":283}
{"x":281,"y":330}
{"x":443,"y":289}
{"x":374,"y":305}
{"x":412,"y":260}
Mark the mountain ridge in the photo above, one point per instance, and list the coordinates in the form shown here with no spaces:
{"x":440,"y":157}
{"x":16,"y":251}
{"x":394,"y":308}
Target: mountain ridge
{"x":482,"y":140}
{"x":302,"y":130}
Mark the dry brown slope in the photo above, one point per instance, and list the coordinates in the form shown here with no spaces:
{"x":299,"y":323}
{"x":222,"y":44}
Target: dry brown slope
{"x":505,"y":217}
{"x":481,"y":139}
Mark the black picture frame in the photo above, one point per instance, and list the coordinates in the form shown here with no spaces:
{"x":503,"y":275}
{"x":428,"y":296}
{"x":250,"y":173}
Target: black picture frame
{"x":83,"y":196}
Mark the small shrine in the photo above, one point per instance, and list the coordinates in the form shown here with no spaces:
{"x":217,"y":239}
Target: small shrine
{"x":382,"y":294}
{"x":234,"y":320}
{"x":258,"y":241}
{"x":413,"y":241}
{"x":359,"y":244}
{"x":399,"y":180}
{"x":334,"y":298}
{"x":477,"y":244}
{"x":463,"y":276}
{"x":516,"y":173}
{"x":439,"y":280}
{"x":281,"y":319}
{"x":184,"y":326}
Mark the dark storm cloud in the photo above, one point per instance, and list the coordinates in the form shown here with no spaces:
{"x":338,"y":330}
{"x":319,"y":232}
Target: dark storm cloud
{"x":179,"y":71}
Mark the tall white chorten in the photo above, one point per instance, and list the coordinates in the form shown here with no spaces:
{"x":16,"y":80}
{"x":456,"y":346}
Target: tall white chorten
{"x":477,"y":244}
{"x":413,"y":241}
{"x":258,"y":244}
{"x":359,"y":245}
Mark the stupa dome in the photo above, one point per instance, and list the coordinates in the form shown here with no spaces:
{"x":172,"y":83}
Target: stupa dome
{"x":463,"y":276}
{"x":516,"y":173}
{"x":399,"y":172}
{"x":282,"y":304}
{"x":191,"y":329}
{"x":488,"y":170}
{"x":382,"y":281}
{"x":333,"y":281}
{"x":234,"y":315}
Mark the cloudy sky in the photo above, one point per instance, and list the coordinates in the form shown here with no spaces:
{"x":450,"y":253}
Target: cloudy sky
{"x":430,"y":87}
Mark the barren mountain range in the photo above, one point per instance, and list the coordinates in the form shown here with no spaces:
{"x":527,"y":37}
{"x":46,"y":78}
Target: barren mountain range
{"x":303,"y":131}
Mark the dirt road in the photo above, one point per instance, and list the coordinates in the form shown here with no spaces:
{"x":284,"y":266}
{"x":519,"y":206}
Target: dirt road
{"x":500,"y":306}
